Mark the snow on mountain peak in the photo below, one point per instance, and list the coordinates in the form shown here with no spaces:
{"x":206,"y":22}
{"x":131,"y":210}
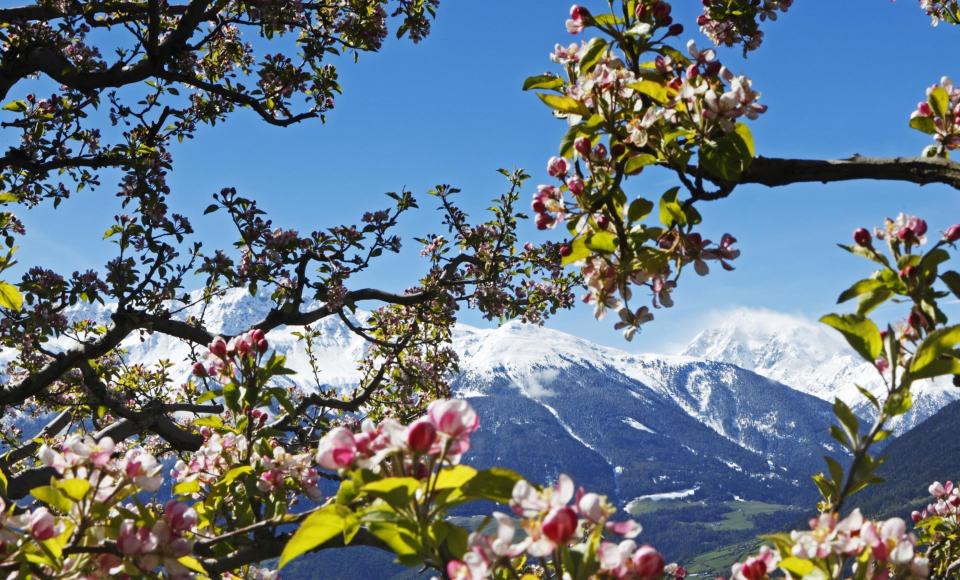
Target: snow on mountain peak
{"x":807,"y":356}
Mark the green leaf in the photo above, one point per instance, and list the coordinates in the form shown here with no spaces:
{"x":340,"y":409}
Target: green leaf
{"x":847,"y":420}
{"x":592,"y":54}
{"x":401,"y":541}
{"x":898,"y":404}
{"x":655,"y":91}
{"x":603,"y":242}
{"x":545,"y":82}
{"x":937,"y":343}
{"x":861,"y":333}
{"x":952,"y":281}
{"x":74,"y":489}
{"x":567,"y":105}
{"x":456,"y":476}
{"x":639,"y":209}
{"x":924,"y":125}
{"x":938,"y":368}
{"x":53,"y":498}
{"x":730,"y":156}
{"x":394,"y":490}
{"x":495,"y":484}
{"x":319,"y":528}
{"x":234,"y":473}
{"x":579,"y":251}
{"x":3,"y":483}
{"x":796,"y":566}
{"x":187,"y":487}
{"x":16,"y":106}
{"x":10,"y":297}
{"x":861,"y":287}
{"x":636,"y":163}
{"x":872,"y":300}
{"x":671,"y":212}
{"x":939,"y":101}
{"x":192,"y":564}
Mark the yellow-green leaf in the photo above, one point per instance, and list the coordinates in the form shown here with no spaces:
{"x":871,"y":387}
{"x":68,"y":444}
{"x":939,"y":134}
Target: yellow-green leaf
{"x":934,"y":346}
{"x":638,"y":162}
{"x":191,"y":563}
{"x":655,"y":91}
{"x":567,"y":105}
{"x":10,"y":297}
{"x":319,"y":528}
{"x":455,"y":476}
{"x":861,"y":333}
{"x":74,"y":489}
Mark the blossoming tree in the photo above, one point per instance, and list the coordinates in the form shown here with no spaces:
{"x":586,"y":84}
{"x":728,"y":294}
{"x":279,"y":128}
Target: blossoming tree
{"x":85,"y":496}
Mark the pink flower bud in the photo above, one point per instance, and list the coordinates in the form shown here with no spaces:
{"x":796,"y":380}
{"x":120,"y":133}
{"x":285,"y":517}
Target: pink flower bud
{"x":218,"y":347}
{"x":648,"y":563}
{"x":952,"y":234}
{"x":576,"y":185}
{"x":256,"y":335}
{"x":42,"y":525}
{"x":199,"y":369}
{"x":179,"y":516}
{"x":421,"y":435}
{"x":565,"y":250}
{"x":262,"y":346}
{"x":560,"y":525}
{"x":675,"y":30}
{"x":862,"y":237}
{"x":582,"y":146}
{"x":924,"y":109}
{"x":557,"y":167}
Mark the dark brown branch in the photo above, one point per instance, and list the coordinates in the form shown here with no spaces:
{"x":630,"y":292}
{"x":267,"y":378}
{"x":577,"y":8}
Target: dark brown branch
{"x":775,"y":172}
{"x":52,"y":428}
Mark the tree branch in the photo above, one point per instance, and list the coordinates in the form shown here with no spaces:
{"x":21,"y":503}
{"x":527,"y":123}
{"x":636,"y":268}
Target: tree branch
{"x":775,"y":172}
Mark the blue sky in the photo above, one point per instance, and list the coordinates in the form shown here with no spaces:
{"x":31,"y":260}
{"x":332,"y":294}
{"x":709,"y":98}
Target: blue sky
{"x":840,"y":78}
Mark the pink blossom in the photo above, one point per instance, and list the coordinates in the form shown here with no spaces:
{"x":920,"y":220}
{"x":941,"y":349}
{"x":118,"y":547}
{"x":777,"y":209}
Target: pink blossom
{"x":337,"y":449}
{"x":43,"y":526}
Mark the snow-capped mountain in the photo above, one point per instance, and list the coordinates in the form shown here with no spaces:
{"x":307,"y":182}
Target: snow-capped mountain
{"x":631,"y":425}
{"x":809,"y":357}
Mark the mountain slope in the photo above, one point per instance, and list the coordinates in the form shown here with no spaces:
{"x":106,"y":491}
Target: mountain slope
{"x":929,"y":452}
{"x":809,"y":357}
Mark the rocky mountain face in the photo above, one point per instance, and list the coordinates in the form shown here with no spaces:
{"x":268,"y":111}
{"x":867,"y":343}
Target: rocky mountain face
{"x":810,"y":357}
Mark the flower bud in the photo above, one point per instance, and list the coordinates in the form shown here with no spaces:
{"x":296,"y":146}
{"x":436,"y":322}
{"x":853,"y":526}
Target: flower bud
{"x":262,"y":346}
{"x":952,"y":234}
{"x":560,"y":525}
{"x":675,"y":30}
{"x":582,"y":146}
{"x":557,"y":167}
{"x":421,"y":435}
{"x":862,"y":237}
{"x":199,"y":369}
{"x":218,"y":347}
{"x":576,"y":185}
{"x":565,"y":250}
{"x":648,"y":563}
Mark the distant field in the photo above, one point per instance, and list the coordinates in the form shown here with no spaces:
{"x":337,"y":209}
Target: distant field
{"x":708,"y":537}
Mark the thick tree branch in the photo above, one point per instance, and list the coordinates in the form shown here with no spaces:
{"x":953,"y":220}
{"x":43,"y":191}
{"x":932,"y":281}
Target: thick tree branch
{"x":775,"y":172}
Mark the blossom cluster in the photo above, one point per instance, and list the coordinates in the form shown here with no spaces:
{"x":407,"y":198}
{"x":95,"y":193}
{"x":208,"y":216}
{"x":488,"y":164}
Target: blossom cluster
{"x":946,"y":502}
{"x":163,"y":543}
{"x":939,"y":116}
{"x":939,"y":10}
{"x":82,"y":457}
{"x":880,"y":547}
{"x":560,"y":516}
{"x":729,"y":23}
{"x":224,"y":357}
{"x":444,"y":432}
